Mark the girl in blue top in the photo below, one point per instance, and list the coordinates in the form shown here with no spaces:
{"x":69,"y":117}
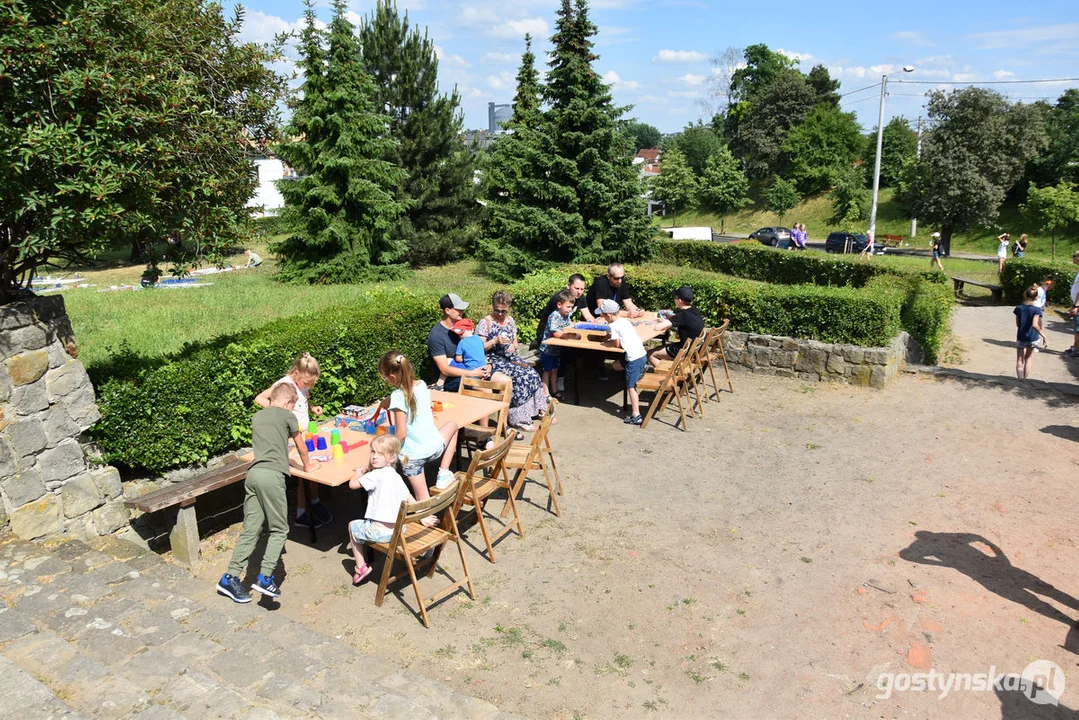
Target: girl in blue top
{"x":1028,"y":323}
{"x":410,"y":408}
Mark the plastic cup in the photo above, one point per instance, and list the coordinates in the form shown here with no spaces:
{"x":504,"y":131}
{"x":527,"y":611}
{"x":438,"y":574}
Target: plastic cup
{"x":335,"y":436}
{"x":344,"y":447}
{"x":321,"y":442}
{"x":369,"y":427}
{"x":310,"y":445}
{"x":312,"y":427}
{"x":380,"y":430}
{"x":338,"y":453}
{"x":437,"y":406}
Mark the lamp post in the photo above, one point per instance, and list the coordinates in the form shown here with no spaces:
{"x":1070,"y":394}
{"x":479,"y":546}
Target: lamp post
{"x":880,"y":142}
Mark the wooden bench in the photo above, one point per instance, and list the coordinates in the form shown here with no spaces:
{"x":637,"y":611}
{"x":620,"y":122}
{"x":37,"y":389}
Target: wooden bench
{"x":997,"y":290}
{"x":184,"y":535}
{"x":893,"y":240}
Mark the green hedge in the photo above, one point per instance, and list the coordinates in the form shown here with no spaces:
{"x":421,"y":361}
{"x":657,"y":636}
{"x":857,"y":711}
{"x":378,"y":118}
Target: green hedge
{"x":926,"y":310}
{"x":755,"y":262}
{"x":184,"y":409}
{"x":828,"y":314}
{"x":1018,"y":275}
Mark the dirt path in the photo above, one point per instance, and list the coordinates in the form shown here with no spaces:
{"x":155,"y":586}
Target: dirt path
{"x":986,"y":343}
{"x":772,"y":561}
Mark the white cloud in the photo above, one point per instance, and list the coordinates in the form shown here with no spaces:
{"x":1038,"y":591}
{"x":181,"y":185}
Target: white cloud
{"x":679,"y":56}
{"x":259,"y":27}
{"x":501,"y":81}
{"x":1003,"y":74}
{"x":611,"y":78}
{"x":450,"y":60}
{"x":691,"y":79}
{"x":800,"y":57}
{"x":499,"y":58}
{"x":684,"y":93}
{"x":535,"y":26}
{"x":912,"y":37}
{"x":1026,"y":37}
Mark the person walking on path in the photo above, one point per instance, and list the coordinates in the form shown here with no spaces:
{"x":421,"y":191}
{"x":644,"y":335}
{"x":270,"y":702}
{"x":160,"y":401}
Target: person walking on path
{"x":1004,"y":239}
{"x":935,"y":243}
{"x":265,"y":501}
{"x":1028,"y":323}
{"x":867,"y":252}
{"x":1073,"y":351}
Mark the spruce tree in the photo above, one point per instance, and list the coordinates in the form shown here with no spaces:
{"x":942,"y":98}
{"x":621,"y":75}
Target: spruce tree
{"x":342,"y":207}
{"x":592,"y":174}
{"x":439,"y":190}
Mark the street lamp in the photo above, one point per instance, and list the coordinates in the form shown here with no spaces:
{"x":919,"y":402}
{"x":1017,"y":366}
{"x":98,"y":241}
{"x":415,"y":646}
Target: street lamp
{"x":880,"y":142}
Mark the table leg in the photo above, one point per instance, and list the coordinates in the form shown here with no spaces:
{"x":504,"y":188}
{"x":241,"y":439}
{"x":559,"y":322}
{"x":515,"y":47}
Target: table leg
{"x":310,"y":512}
{"x":577,"y":365}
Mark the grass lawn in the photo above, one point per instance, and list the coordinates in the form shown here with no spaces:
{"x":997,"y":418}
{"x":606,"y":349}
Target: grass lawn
{"x":891,"y":220}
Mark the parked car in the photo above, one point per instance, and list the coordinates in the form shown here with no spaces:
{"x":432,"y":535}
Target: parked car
{"x":779,"y":237}
{"x":839,"y":242}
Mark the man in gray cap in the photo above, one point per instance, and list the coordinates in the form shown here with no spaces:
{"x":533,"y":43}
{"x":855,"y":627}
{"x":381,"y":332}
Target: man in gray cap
{"x":442,"y":343}
{"x":686,"y":319}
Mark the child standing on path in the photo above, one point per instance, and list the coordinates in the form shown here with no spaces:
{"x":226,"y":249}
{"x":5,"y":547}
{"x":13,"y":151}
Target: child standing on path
{"x":934,"y":243}
{"x":384,"y":482}
{"x":1028,"y":321}
{"x":550,"y":355}
{"x":625,"y":336}
{"x":265,"y":500}
{"x":421,"y":440}
{"x":302,"y":377}
{"x":1002,"y":250}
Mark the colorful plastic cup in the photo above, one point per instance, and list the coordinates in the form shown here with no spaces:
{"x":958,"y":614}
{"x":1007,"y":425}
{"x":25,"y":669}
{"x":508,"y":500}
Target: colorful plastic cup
{"x":321,"y":442}
{"x":344,"y":447}
{"x":369,"y":427}
{"x":338,"y":453}
{"x":335,"y":436}
{"x":310,"y":445}
{"x":436,"y":406}
{"x":312,"y":427}
{"x":380,"y":430}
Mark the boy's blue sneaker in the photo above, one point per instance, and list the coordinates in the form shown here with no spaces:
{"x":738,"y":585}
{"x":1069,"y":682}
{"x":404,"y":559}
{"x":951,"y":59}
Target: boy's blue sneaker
{"x":266,"y":586}
{"x":633,"y":420}
{"x":321,"y":513}
{"x":230,"y":587}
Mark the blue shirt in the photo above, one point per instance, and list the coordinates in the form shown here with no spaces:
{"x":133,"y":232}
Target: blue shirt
{"x":1026,"y":331}
{"x":471,"y":351}
{"x":555,"y":323}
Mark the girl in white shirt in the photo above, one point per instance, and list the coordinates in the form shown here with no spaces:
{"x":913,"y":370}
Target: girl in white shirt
{"x":384,"y":482}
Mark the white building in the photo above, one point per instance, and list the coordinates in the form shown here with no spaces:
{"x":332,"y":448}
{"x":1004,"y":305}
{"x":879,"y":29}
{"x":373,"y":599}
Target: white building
{"x":269,"y":170}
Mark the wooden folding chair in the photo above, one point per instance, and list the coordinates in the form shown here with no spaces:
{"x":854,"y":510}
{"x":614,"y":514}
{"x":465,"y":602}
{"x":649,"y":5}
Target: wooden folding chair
{"x":692,"y":369}
{"x":487,"y":474}
{"x":666,"y":385}
{"x":411,"y":538}
{"x":712,"y":350}
{"x":535,"y":456}
{"x":475,"y":436}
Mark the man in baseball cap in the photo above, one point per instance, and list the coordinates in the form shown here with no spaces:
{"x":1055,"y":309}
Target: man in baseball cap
{"x":442,"y":345}
{"x":686,"y":319}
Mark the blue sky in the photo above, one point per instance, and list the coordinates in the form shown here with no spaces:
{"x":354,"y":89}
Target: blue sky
{"x":658,"y":54}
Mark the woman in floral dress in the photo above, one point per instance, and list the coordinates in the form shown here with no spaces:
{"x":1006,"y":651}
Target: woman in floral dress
{"x":499,"y":333}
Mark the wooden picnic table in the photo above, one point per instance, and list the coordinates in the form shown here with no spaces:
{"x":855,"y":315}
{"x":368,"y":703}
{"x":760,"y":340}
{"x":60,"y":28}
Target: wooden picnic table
{"x":462,"y":409}
{"x":596,"y":340}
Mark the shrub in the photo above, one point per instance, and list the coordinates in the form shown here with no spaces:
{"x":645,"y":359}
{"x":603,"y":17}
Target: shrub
{"x":788,"y":268}
{"x":926,"y":310}
{"x":1018,"y":275}
{"x":828,"y":314}
{"x":185,"y":408}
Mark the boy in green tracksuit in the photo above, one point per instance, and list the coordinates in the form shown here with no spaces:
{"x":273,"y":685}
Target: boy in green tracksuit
{"x":271,"y":429}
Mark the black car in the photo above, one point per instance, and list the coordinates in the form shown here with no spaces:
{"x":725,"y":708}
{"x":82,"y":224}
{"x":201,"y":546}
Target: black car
{"x":779,"y":237}
{"x":839,"y":242}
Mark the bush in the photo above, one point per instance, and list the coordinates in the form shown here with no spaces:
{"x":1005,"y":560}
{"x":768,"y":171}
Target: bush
{"x":1018,"y":275}
{"x":183,"y":409}
{"x":788,"y":268}
{"x":828,"y":314}
{"x":926,"y":310}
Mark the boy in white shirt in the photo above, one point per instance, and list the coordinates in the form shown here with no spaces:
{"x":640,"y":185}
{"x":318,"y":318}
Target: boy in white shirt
{"x":625,"y":336}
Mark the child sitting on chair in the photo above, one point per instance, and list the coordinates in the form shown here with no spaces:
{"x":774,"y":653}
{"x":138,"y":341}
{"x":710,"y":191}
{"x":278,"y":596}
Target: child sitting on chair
{"x":384,"y":481}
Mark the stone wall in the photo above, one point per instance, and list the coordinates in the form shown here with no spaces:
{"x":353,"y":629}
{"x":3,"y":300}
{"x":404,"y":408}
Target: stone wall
{"x":812,"y":360}
{"x":47,"y":487}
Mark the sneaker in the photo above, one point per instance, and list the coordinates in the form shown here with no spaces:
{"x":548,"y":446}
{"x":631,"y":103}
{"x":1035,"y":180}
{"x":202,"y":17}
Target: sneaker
{"x":445,"y":479}
{"x":304,"y":520}
{"x":561,"y":385}
{"x":322,"y":515}
{"x":230,"y":587}
{"x":633,"y":420}
{"x":266,"y":586}
{"x":1071,"y":352}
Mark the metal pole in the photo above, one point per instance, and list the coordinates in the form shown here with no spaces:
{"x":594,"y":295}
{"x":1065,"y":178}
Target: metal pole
{"x":876,"y":165}
{"x":917,"y":154}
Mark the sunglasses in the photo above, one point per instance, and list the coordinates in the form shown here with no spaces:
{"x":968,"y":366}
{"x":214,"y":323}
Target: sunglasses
{"x":616,"y":277}
{"x":500,"y":312}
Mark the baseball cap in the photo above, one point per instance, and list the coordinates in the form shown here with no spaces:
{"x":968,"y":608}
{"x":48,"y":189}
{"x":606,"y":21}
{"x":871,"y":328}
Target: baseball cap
{"x":452,"y":300}
{"x":462,"y":326}
{"x":684,"y":293}
{"x":935,"y":235}
{"x":607,"y":306}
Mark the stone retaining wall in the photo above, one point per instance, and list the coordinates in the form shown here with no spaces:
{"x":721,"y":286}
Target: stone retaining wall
{"x":47,"y":486}
{"x":812,"y":360}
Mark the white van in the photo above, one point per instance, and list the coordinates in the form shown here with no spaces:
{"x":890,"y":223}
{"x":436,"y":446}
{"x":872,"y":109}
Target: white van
{"x":689,"y":233}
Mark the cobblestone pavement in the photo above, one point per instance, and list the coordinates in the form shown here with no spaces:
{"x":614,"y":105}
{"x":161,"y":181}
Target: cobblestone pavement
{"x":109,"y":630}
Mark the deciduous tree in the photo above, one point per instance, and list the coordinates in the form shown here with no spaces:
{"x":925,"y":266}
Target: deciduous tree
{"x":676,"y":184}
{"x":1053,"y":208}
{"x":899,"y":145}
{"x":723,"y":188}
{"x":697,"y":142}
{"x":643,"y":135}
{"x":781,"y":197}
{"x":821,"y":146}
{"x":759,"y":136}
{"x":116,"y":126}
{"x":850,"y":197}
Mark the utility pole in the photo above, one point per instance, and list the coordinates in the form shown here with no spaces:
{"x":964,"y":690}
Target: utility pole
{"x":880,"y":142}
{"x":917,"y":154}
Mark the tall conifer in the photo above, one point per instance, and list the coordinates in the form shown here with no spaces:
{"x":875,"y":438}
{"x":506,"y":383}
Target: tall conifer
{"x":342,"y":207}
{"x":439,"y":190}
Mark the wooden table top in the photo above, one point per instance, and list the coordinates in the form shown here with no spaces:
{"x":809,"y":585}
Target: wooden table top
{"x":596,"y":339}
{"x":462,"y":409}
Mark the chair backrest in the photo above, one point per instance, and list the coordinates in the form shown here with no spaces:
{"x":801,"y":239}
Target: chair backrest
{"x":670,"y":377}
{"x":540,"y":436}
{"x":497,"y":390}
{"x":491,"y":459}
{"x":412,"y":512}
{"x":719,"y":336}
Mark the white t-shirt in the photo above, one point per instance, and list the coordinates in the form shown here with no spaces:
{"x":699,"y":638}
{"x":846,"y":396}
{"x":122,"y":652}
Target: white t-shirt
{"x":1075,"y":289}
{"x":1040,"y":301}
{"x":1002,"y":250}
{"x":623,"y":331}
{"x":386,"y":491}
{"x":300,"y":408}
{"x":422,"y":439}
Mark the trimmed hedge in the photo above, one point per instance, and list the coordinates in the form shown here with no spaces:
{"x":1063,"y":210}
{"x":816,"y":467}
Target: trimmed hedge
{"x":789,"y":268}
{"x":926,"y":310}
{"x":1018,"y":275}
{"x":828,"y":314}
{"x":184,"y":409}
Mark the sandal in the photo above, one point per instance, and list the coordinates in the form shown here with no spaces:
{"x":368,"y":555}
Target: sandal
{"x":361,"y":572}
{"x":528,"y":427}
